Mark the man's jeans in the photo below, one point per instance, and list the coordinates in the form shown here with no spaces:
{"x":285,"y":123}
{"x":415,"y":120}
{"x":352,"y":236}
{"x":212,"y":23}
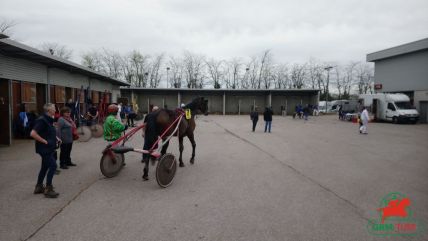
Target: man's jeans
{"x":268,"y":124}
{"x":49,"y":167}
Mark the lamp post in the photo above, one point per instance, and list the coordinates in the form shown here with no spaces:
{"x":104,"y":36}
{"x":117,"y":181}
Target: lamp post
{"x":146,"y":75}
{"x":328,"y":68}
{"x":246,"y":76}
{"x":167,"y":76}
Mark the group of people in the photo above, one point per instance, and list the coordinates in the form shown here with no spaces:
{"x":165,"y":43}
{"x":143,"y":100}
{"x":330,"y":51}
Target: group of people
{"x":51,"y":134}
{"x":55,"y":130}
{"x":267,"y":117}
{"x":127,"y":112}
{"x":303,"y":112}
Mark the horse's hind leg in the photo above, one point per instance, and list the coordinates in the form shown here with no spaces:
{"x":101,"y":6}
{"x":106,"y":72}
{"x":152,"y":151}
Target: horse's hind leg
{"x":192,"y":140}
{"x":181,"y":148}
{"x":146,"y":169}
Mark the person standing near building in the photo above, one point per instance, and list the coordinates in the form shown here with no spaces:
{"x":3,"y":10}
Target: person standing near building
{"x":65,"y":128}
{"x":306,"y":112}
{"x":119,"y":112}
{"x":267,"y":116}
{"x":364,"y":120}
{"x":92,"y":115}
{"x":254,"y":115}
{"x":46,"y":142}
{"x":70,"y":104}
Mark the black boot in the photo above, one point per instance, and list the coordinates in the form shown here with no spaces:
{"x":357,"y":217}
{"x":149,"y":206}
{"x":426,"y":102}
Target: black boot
{"x":50,"y":192}
{"x":146,"y":174}
{"x":39,"y":189}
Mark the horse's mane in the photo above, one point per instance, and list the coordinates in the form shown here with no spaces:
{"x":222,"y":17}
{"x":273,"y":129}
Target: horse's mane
{"x":193,"y":105}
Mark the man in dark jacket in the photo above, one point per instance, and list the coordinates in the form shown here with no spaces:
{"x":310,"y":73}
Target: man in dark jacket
{"x":46,"y":143}
{"x":254,"y":117}
{"x":267,"y":116}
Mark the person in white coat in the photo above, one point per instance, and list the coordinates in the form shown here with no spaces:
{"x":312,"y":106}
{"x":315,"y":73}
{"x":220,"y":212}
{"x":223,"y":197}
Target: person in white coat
{"x":364,"y":120}
{"x":118,"y":115}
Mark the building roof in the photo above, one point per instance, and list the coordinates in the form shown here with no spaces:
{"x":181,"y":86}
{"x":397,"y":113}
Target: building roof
{"x":258,"y":91}
{"x":416,"y":46}
{"x":12,"y":48}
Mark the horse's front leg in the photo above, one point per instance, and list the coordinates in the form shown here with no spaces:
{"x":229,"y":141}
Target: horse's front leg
{"x":181,"y":148}
{"x":192,"y":140}
{"x":164,"y":148}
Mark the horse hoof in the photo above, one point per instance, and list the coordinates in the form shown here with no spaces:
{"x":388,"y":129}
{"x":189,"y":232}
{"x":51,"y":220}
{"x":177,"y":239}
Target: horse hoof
{"x":145,"y":178}
{"x":192,"y":161}
{"x":181,"y":164}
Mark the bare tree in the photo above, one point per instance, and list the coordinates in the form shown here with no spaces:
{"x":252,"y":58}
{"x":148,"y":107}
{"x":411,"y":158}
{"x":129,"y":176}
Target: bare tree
{"x":245,"y":84}
{"x":155,"y":74}
{"x":339,"y":80}
{"x":298,"y":75}
{"x":364,"y":73}
{"x":93,"y":61}
{"x":265,"y":70}
{"x":6,"y":26}
{"x":315,"y":70}
{"x":252,"y":67}
{"x":57,"y":49}
{"x":216,"y":72}
{"x":139,"y":65}
{"x":177,"y":72}
{"x":281,"y":77}
{"x":349,"y":78}
{"x":193,"y":66}
{"x":233,"y":78}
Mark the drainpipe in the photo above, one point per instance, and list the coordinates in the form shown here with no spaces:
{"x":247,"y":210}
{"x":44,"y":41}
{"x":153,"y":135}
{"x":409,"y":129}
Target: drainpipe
{"x":224,"y":103}
{"x":48,"y":85}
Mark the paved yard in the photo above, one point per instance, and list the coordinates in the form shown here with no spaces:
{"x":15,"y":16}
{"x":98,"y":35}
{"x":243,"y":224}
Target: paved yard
{"x":315,"y":180}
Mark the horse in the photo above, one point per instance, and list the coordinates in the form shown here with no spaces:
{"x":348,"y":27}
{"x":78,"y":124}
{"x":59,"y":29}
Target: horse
{"x":160,"y":120}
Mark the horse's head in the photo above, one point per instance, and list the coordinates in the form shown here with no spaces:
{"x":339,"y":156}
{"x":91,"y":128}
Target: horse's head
{"x":200,"y":105}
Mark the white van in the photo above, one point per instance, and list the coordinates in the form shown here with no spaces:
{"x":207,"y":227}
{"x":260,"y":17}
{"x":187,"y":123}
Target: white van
{"x":390,"y":107}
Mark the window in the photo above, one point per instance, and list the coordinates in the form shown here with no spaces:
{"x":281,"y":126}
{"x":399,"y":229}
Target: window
{"x":404,"y":105}
{"x":95,"y":97}
{"x":59,"y":94}
{"x":391,"y":106}
{"x":28,"y":93}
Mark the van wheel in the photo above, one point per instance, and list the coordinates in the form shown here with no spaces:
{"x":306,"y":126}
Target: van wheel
{"x":395,"y":120}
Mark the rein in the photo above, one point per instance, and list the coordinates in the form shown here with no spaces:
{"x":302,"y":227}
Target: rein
{"x":178,"y":119}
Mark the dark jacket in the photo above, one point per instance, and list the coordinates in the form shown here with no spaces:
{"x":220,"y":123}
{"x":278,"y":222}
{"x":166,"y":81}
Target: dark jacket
{"x":267,"y":115}
{"x":254,"y":116}
{"x":45,"y":128}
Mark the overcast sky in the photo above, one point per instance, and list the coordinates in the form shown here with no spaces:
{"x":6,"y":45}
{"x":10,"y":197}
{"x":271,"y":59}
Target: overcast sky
{"x":295,"y":30}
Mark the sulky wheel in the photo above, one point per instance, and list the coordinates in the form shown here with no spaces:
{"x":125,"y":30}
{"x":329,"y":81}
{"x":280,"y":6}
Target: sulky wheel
{"x":84,"y":133}
{"x":109,"y":166}
{"x":97,"y":130}
{"x":165,"y":170}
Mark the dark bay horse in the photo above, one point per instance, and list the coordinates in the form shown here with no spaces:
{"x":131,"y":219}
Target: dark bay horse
{"x":159,"y":121}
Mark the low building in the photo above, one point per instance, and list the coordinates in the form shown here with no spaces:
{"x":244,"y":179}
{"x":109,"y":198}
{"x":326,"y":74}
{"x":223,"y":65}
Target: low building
{"x":223,"y":101}
{"x":404,"y":69}
{"x":29,"y":78}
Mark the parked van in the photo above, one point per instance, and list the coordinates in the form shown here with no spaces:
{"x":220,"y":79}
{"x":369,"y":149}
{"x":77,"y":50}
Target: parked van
{"x":390,"y":107}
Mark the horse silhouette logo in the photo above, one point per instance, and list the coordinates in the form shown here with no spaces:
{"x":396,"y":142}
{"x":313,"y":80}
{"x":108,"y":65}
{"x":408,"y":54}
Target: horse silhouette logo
{"x":395,"y":217}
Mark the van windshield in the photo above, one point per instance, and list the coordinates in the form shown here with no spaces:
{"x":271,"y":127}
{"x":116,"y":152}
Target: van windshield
{"x":403,"y":105}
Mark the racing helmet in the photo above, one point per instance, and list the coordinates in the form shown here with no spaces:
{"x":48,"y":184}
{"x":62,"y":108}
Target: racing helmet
{"x":112,"y":109}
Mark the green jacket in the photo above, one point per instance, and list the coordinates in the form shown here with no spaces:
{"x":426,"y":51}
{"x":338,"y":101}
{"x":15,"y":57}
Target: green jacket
{"x":112,"y":128}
